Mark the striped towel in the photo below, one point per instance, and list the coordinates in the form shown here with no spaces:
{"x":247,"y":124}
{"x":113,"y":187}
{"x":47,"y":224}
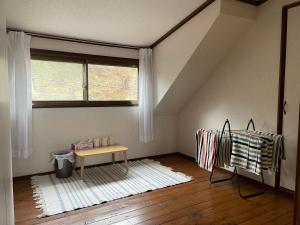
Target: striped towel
{"x":207,"y":143}
{"x":253,"y":150}
{"x":224,"y":150}
{"x":278,"y":150}
{"x":246,"y":152}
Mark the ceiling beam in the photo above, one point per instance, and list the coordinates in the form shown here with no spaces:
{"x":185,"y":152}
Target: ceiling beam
{"x":254,"y":2}
{"x":196,"y":12}
{"x":182,"y":22}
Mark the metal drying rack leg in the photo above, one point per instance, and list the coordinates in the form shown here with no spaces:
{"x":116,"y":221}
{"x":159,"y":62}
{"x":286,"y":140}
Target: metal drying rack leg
{"x":220,"y":140}
{"x":262,"y":176}
{"x":235,"y":173}
{"x":254,"y":194}
{"x":219,"y":180}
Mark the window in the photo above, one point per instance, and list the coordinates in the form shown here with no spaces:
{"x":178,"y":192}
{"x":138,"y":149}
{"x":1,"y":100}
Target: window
{"x":62,"y":79}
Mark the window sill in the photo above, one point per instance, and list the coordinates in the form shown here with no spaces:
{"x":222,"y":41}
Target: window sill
{"x":79,"y":104}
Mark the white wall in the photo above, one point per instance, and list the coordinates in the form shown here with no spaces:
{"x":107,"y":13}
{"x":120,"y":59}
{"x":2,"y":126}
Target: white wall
{"x":231,"y":23}
{"x":243,"y":86}
{"x":171,"y":55}
{"x":56,"y":129}
{"x":6,"y":189}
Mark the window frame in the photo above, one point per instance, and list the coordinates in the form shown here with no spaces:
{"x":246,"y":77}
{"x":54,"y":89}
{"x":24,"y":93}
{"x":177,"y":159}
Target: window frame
{"x":85,"y":59}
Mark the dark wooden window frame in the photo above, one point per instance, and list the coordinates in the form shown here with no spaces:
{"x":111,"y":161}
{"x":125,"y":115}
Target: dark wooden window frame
{"x":85,"y":59}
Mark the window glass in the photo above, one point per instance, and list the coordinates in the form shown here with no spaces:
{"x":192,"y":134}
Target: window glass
{"x":112,"y":83}
{"x":56,"y":81}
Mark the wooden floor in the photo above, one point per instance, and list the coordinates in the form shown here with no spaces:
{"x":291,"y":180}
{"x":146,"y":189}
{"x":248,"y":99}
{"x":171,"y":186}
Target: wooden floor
{"x":196,"y":202}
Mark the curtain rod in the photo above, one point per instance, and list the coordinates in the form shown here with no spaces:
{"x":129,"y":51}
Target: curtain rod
{"x":76,"y":40}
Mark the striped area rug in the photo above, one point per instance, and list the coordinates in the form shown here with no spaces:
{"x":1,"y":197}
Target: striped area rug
{"x":101,"y":184}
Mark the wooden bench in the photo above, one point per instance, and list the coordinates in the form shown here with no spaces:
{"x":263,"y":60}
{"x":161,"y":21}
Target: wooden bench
{"x":99,"y":151}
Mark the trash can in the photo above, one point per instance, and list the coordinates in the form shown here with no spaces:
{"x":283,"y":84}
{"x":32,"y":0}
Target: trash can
{"x":63,"y":163}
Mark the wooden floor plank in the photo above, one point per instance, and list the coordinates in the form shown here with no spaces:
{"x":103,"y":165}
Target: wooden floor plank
{"x":196,"y":202}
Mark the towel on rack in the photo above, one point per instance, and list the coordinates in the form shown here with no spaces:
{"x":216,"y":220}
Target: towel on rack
{"x":207,"y":142}
{"x":276,"y":151}
{"x":279,"y":152}
{"x":256,"y":151}
{"x":267,"y":148}
{"x":251,"y":150}
{"x":223,"y":150}
{"x":246,"y":152}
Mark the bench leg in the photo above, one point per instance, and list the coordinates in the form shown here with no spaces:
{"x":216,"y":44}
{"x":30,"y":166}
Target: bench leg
{"x":81,"y":167}
{"x":125,"y":161}
{"x":113,"y":158}
{"x":74,"y":164}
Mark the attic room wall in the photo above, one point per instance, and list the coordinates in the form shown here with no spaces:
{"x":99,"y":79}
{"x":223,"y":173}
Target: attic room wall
{"x":172,"y":54}
{"x":243,"y":86}
{"x":55,"y":129}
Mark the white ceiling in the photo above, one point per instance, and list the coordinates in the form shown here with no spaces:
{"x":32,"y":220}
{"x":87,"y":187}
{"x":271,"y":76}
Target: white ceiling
{"x":132,"y":22}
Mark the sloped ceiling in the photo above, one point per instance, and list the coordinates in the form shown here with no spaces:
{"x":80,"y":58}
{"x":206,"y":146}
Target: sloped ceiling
{"x":232,"y":21}
{"x":130,"y":22}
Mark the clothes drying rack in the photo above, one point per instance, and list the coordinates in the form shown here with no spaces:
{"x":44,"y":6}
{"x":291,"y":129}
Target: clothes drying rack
{"x":235,"y":172}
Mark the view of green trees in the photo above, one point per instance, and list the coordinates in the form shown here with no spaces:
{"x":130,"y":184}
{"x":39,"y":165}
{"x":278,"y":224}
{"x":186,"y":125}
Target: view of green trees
{"x":59,"y":81}
{"x":112,"y":83}
{"x":56,"y":81}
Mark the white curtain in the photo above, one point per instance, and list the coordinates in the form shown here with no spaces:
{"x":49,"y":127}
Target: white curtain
{"x":19,"y":69}
{"x":146,"y":96}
